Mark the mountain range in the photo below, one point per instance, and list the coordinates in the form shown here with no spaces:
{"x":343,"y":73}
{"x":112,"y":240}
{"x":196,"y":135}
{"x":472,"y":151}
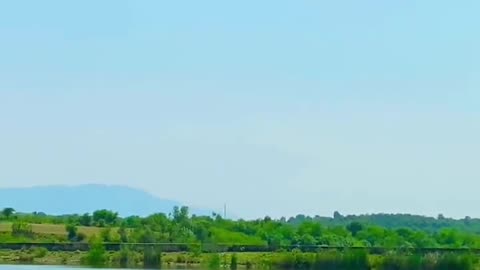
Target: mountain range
{"x":60,"y":200}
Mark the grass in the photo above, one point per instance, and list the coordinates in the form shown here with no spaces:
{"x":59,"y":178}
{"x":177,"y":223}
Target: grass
{"x":55,"y":229}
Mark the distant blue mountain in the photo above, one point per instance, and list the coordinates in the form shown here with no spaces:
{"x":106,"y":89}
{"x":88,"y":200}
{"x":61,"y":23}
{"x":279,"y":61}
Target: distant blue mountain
{"x":59,"y":200}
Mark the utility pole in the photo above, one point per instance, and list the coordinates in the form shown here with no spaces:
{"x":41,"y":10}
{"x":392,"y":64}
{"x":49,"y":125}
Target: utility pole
{"x":224,"y":211}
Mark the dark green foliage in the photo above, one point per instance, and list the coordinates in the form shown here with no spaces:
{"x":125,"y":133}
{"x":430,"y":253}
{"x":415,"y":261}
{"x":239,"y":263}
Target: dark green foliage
{"x":354,"y":228}
{"x":71,"y":232}
{"x":8,"y":212}
{"x":233,"y":262}
{"x":104,"y":218}
{"x":85,"y":220}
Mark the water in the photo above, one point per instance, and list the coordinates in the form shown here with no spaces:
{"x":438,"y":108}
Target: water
{"x":46,"y":267}
{"x":62,"y":267}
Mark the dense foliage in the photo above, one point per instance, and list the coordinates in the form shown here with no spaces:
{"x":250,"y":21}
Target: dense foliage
{"x":381,"y":230}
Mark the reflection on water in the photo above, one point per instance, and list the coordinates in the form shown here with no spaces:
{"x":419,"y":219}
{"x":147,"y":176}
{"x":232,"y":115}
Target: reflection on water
{"x":53,"y":267}
{"x":38,"y":267}
{"x":62,"y":267}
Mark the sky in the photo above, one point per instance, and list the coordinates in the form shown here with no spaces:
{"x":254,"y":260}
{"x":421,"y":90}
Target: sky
{"x":272,"y":107}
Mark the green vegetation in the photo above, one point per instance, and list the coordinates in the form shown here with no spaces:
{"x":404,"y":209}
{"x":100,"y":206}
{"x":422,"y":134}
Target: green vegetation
{"x":354,"y":260}
{"x":340,"y":242}
{"x":389,"y":231}
{"x":152,"y":257}
{"x":233,"y":262}
{"x":96,"y":256}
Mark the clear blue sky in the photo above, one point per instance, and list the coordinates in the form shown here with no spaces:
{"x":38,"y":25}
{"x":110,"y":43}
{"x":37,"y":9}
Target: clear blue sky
{"x":275,"y":107}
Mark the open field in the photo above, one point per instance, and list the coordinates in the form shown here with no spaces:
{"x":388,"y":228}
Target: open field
{"x":55,"y":229}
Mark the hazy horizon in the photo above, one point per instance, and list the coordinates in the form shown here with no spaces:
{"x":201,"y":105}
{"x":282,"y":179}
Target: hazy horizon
{"x":275,"y":108}
{"x":219,"y":209}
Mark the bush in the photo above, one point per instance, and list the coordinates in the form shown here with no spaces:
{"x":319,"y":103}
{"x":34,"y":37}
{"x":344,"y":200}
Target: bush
{"x":39,"y":252}
{"x":96,"y":256}
{"x":71,"y":232}
{"x":22,"y":229}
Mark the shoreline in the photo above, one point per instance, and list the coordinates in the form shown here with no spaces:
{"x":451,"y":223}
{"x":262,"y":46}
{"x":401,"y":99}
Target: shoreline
{"x":246,"y":261}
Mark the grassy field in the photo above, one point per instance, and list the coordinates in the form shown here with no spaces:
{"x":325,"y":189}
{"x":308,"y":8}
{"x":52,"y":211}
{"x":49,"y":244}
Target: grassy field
{"x":55,"y":229}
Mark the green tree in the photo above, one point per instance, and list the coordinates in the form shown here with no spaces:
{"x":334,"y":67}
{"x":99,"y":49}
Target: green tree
{"x":354,"y":228}
{"x":105,"y":217}
{"x":85,"y":220}
{"x":8,"y":212}
{"x":71,"y":232}
{"x":337,"y":215}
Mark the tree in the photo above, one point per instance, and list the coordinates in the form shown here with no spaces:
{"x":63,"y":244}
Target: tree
{"x":354,"y":228}
{"x":180,"y":215}
{"x":85,"y":220}
{"x":8,"y":212}
{"x":337,"y":215}
{"x":105,"y":217}
{"x":71,"y":232}
{"x":467,"y":220}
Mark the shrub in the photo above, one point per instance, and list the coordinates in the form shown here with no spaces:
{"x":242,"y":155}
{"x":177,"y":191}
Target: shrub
{"x":22,"y":229}
{"x":39,"y":252}
{"x":71,"y":232}
{"x":96,"y":256}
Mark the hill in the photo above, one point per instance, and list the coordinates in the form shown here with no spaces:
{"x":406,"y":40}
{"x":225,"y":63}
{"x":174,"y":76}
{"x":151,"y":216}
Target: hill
{"x":60,"y":200}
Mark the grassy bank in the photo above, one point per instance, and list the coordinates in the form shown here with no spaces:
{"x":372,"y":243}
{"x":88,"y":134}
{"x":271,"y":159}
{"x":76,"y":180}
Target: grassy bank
{"x":329,"y":260}
{"x":51,"y":229}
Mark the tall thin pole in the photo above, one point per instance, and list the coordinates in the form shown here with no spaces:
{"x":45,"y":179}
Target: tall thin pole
{"x":225,"y":211}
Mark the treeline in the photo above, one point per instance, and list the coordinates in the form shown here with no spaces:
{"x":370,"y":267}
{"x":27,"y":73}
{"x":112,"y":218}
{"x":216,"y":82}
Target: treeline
{"x":396,"y":221}
{"x":181,"y":227}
